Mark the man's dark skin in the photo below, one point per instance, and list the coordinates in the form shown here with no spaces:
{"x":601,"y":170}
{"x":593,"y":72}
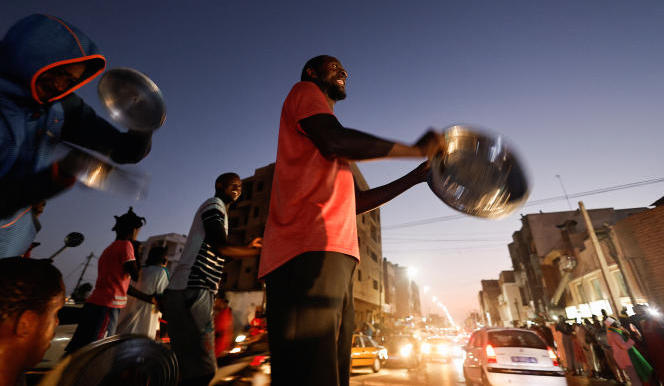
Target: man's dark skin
{"x":229,"y":191}
{"x":335,"y":141}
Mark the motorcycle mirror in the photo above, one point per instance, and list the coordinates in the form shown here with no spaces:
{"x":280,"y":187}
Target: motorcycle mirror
{"x":74,"y":239}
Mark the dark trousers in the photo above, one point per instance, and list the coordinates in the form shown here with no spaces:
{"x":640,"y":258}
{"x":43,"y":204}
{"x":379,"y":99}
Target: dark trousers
{"x":310,"y":319}
{"x":96,"y":323}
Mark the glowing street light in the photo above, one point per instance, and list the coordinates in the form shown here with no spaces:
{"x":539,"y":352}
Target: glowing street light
{"x":412,"y":272}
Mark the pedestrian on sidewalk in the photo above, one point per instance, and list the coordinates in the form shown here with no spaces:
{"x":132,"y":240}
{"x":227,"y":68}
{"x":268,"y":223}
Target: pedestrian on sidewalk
{"x":567,"y":344}
{"x":139,"y":316}
{"x":187,"y":303}
{"x":627,"y":357}
{"x":581,"y":349}
{"x":653,"y":337}
{"x":116,"y":267}
{"x":223,"y":326}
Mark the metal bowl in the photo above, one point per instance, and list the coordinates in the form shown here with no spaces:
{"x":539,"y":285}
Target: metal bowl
{"x":478,"y":174}
{"x":132,"y":99}
{"x":126,"y":360}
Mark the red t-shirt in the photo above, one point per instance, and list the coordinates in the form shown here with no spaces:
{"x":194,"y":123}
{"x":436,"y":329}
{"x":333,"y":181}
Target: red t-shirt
{"x":112,"y":280}
{"x":312,"y":204}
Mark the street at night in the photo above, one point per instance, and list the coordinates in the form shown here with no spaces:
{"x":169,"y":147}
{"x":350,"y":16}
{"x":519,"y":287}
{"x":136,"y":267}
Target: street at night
{"x":434,"y":374}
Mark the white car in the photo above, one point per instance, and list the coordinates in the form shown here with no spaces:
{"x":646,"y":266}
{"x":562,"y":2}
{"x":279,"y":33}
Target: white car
{"x":510,"y":356}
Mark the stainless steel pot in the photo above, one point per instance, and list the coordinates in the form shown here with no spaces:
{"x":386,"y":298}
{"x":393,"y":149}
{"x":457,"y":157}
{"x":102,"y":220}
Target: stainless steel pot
{"x":478,"y":174}
{"x":132,"y":99}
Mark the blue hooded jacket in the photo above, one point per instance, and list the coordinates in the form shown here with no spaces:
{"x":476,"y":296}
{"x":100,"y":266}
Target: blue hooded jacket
{"x":29,"y":125}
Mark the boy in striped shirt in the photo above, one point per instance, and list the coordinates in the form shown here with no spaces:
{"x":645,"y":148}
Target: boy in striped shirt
{"x":188,"y":302}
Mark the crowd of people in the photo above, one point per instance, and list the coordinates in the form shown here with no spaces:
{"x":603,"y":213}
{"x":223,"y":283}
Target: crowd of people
{"x":623,"y":349}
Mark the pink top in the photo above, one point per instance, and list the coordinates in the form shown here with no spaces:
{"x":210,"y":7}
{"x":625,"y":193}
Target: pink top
{"x":312,"y":204}
{"x":619,"y":348}
{"x":112,"y":280}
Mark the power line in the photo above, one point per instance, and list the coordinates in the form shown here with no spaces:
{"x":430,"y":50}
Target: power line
{"x":533,"y":202}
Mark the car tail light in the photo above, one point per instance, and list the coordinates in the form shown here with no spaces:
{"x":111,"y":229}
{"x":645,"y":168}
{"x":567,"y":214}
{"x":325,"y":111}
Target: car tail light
{"x":553,"y":356}
{"x":258,"y":360}
{"x":490,"y":354}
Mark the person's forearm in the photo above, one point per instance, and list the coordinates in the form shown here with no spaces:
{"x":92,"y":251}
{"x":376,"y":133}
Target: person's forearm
{"x":335,"y":141}
{"x":20,"y":193}
{"x":84,"y":127}
{"x":371,"y":199}
{"x":355,"y":145}
{"x":131,"y":291}
{"x":238,"y":251}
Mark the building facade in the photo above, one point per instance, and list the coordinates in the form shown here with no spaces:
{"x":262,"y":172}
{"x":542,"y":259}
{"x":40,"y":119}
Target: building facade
{"x":489,"y":304}
{"x":546,"y":257}
{"x":174,"y":244}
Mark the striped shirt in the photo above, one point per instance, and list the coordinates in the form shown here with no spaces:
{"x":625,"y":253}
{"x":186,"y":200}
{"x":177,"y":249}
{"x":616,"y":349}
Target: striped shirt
{"x":200,"y":265}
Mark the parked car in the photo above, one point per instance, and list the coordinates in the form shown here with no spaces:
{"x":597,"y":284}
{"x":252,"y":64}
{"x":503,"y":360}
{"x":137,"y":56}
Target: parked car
{"x":403,"y":351}
{"x":367,"y":353}
{"x":514,"y":356}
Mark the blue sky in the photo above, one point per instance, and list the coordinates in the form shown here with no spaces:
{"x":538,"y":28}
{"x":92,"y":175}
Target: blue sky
{"x":576,"y":86}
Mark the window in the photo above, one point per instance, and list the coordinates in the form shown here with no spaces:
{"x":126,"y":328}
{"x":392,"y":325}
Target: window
{"x":234,"y":222}
{"x":374,"y":233}
{"x":597,"y":289}
{"x":375,"y":284}
{"x":509,"y":338}
{"x":357,"y":342}
{"x":621,"y":283}
{"x":256,"y":212}
{"x":373,"y":255}
{"x":359,"y":275}
{"x":259,"y":186}
{"x":582,"y":294}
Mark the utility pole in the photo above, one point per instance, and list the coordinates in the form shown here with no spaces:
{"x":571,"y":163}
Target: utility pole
{"x":604,"y":268}
{"x":85,"y":268}
{"x":616,"y":252}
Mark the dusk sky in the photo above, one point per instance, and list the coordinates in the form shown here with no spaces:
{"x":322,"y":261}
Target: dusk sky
{"x":577,"y":87}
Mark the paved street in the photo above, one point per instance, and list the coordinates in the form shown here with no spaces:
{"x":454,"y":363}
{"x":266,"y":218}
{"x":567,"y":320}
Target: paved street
{"x":431,"y":374}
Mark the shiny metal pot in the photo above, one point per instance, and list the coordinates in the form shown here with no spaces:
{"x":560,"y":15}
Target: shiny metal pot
{"x":132,"y":99}
{"x":478,"y":174}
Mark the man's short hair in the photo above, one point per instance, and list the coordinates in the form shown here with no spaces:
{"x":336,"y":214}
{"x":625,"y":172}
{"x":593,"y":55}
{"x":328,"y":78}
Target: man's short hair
{"x":223,"y":179}
{"x":156,"y":256}
{"x":27,"y":285}
{"x":315,"y":63}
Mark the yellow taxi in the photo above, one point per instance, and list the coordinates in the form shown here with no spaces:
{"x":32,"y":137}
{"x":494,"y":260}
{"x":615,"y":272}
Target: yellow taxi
{"x":366,"y":353}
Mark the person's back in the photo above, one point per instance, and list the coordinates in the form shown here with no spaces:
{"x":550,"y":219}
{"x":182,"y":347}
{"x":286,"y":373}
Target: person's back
{"x":139,"y":316}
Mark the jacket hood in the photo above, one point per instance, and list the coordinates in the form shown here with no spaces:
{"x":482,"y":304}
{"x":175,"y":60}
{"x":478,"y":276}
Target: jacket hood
{"x":38,"y":43}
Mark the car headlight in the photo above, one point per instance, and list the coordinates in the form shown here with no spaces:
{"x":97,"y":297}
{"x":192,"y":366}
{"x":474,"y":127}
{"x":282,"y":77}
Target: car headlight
{"x":426,"y":348}
{"x":240,"y":338}
{"x":382,"y":353}
{"x":406,"y":350}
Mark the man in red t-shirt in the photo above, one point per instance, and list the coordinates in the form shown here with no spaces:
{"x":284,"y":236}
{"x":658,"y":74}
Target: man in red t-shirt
{"x":310,"y":244}
{"x":116,"y":267}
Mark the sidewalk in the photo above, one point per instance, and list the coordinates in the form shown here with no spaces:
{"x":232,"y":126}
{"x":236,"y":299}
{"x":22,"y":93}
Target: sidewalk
{"x":583,"y":380}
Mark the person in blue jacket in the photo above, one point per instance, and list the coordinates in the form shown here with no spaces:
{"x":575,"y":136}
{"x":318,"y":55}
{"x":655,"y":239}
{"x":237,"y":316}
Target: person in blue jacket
{"x":44,"y":60}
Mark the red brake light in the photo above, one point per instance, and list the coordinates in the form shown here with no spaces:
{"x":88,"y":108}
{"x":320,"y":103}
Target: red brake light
{"x":490,"y":354}
{"x":258,"y":360}
{"x":553,"y":356}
